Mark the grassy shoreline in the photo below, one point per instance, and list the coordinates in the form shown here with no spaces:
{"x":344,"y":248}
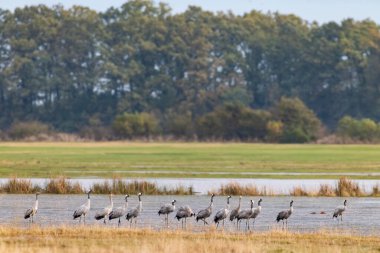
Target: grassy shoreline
{"x":100,"y":239}
{"x":110,"y":159}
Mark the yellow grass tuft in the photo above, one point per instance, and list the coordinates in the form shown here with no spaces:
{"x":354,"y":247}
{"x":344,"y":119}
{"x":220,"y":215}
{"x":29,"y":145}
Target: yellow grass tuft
{"x":102,"y":239}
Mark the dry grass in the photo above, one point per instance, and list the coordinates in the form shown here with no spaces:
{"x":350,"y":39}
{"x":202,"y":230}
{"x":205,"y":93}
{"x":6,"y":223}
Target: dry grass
{"x":98,"y":239}
{"x":234,"y":188}
{"x":61,"y":185}
{"x":348,"y":188}
{"x":17,"y":185}
{"x":118,"y":186}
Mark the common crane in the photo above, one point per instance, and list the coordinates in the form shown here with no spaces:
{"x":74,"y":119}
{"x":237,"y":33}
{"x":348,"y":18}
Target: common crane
{"x":104,"y":214}
{"x":135,"y":212}
{"x":284,"y":215}
{"x":119,"y":212}
{"x":205,"y":213}
{"x":166,"y":210}
{"x":29,"y":214}
{"x":234,"y":212}
{"x":222,"y":214}
{"x":83,"y":209}
{"x":184,"y":212}
{"x":339,"y":211}
{"x":256,"y":211}
{"x":245,"y":215}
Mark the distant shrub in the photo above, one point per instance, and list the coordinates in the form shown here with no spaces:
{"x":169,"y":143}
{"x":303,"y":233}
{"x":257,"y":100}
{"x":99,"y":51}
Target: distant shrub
{"x":131,"y":125}
{"x":233,"y":121}
{"x":300,"y":124}
{"x":363,"y":130}
{"x":22,"y":130}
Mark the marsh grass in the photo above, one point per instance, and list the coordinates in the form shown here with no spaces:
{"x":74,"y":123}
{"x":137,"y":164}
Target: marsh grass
{"x":62,"y":185}
{"x":119,"y":186}
{"x":234,"y":188}
{"x":348,"y":188}
{"x":18,"y":185}
{"x":101,"y":239}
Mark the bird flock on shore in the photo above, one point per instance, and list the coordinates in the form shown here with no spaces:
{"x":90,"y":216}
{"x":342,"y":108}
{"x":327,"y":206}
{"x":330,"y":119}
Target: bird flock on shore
{"x":236,"y":215}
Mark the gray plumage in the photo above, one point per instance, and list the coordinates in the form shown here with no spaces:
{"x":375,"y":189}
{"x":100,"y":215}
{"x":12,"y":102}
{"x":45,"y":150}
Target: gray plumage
{"x":245,"y":215}
{"x":103,"y":214}
{"x":166,"y":210}
{"x":284,"y":215}
{"x":135,"y":212}
{"x":256,"y":211}
{"x":234,"y":212}
{"x":184,"y":212}
{"x":339,"y":211}
{"x":83,"y":209}
{"x":205,"y":213}
{"x":31,"y":212}
{"x":120,"y":211}
{"x":222,"y":214}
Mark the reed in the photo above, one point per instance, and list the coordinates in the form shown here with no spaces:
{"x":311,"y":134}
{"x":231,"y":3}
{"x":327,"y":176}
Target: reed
{"x":17,"y":185}
{"x":119,"y":186}
{"x":347,"y":188}
{"x":234,"y":188}
{"x":62,"y":185}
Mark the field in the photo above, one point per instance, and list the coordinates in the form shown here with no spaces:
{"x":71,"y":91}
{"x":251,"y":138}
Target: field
{"x":227,"y":160}
{"x":97,"y":239}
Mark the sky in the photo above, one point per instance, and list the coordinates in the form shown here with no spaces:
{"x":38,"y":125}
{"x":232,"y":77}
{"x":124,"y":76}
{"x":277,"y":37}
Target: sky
{"x":321,"y":11}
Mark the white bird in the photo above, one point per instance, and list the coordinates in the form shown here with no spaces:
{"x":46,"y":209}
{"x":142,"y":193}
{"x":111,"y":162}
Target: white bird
{"x":119,"y":212}
{"x":83,"y":209}
{"x":104,"y":214}
{"x":184,"y":212}
{"x":29,"y":214}
{"x":284,"y":215}
{"x":256,"y":211}
{"x":245,"y":215}
{"x":339,"y":211}
{"x":222,"y":214}
{"x":205,"y":213}
{"x":166,"y":210}
{"x":135,"y":212}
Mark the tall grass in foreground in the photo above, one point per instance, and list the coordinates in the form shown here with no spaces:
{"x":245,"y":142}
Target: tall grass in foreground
{"x":102,"y":239}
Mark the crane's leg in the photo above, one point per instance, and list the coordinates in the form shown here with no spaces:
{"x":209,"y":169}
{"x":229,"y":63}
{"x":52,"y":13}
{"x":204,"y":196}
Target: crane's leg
{"x":223,"y":222}
{"x":84,"y":219}
{"x":80,"y":219}
{"x":341,"y":217}
{"x":118,"y":224}
{"x":217,"y":224}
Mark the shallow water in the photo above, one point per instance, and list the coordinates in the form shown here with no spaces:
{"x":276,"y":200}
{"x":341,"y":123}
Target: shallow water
{"x":361,"y":216}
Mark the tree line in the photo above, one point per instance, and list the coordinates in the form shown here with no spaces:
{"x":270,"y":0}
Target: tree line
{"x":187,"y":74}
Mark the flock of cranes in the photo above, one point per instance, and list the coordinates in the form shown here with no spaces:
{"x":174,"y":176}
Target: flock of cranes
{"x":182,"y":214}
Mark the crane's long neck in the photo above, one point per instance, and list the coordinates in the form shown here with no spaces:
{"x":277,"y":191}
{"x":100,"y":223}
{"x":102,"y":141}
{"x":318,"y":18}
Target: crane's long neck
{"x":111,"y":201}
{"x":140,"y":203}
{"x":88,"y":200}
{"x":211,"y":203}
{"x":228,"y":203}
{"x":239,"y":203}
{"x":126,"y":204}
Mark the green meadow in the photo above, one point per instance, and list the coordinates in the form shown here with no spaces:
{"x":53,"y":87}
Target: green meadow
{"x":217,"y":160}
